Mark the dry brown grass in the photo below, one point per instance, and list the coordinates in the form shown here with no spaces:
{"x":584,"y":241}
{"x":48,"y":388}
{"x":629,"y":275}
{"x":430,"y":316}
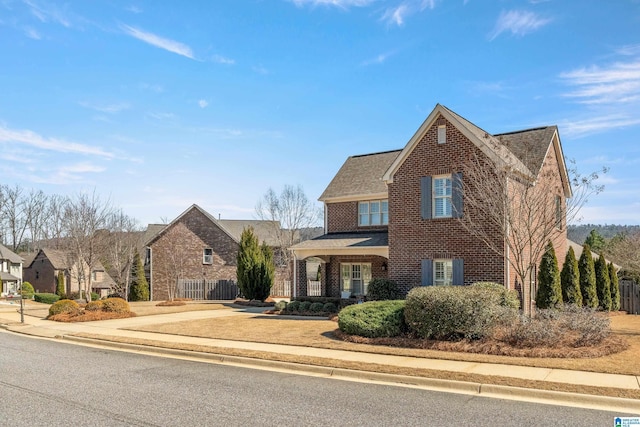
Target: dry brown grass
{"x":320,"y":333}
{"x":174,"y":303}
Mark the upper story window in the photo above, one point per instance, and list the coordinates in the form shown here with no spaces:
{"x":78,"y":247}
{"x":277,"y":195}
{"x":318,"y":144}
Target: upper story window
{"x":442,"y":196}
{"x":207,"y":256}
{"x":559,"y":212}
{"x":442,"y":134}
{"x":375,"y":212}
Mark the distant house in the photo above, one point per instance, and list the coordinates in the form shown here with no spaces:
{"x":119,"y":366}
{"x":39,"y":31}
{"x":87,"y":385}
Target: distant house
{"x":396,"y":214}
{"x":198,"y":247}
{"x":10,"y":271}
{"x":43,"y":271}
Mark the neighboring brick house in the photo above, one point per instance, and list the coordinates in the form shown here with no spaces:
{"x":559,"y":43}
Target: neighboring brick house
{"x":198,"y":247}
{"x":10,"y":271}
{"x":42,"y":272}
{"x":395,"y":214}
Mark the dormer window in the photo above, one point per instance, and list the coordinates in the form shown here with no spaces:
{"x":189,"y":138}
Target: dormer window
{"x":372,"y":213}
{"x":442,"y":134}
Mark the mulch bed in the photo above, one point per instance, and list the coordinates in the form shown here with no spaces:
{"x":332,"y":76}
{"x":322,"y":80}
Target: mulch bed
{"x":609,"y":345}
{"x":88,"y":316}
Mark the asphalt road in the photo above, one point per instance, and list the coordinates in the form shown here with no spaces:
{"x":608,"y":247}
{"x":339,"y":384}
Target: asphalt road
{"x":48,"y":383}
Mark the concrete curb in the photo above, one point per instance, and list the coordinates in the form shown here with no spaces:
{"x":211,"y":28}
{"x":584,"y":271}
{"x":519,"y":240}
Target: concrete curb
{"x":557,"y":398}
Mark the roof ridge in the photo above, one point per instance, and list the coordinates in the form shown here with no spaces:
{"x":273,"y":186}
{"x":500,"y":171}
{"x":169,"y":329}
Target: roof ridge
{"x":523,"y":130}
{"x":379,"y":152}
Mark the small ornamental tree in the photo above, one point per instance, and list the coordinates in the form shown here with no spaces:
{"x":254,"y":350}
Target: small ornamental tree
{"x":139,"y":290}
{"x":255,"y":270}
{"x":587,"y":278}
{"x":570,"y":280}
{"x":615,"y":287}
{"x":60,"y":289}
{"x":549,"y":293}
{"x":603,"y":283}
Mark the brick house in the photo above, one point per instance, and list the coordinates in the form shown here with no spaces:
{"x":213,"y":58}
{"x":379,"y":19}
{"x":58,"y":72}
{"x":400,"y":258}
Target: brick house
{"x":397,"y":214}
{"x":43,"y":270}
{"x":198,"y":247}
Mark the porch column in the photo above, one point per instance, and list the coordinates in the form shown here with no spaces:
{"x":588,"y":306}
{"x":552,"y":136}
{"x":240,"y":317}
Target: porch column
{"x":301,"y":282}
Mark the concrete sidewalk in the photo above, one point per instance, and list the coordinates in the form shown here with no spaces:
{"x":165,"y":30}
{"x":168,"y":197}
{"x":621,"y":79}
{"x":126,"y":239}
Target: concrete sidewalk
{"x":37,"y":326}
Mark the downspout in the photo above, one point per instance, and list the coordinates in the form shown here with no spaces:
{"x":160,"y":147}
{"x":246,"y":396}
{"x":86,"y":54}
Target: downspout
{"x":326,"y":220}
{"x":150,"y":274}
{"x":507,"y":253}
{"x":295,"y":275}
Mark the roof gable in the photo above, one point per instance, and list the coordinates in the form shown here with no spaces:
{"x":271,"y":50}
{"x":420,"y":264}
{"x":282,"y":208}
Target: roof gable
{"x":8,"y":254}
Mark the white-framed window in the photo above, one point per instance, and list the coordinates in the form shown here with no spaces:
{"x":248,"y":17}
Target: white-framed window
{"x":442,"y":272}
{"x":559,"y":212}
{"x":374,"y":212}
{"x":442,"y":196}
{"x":442,"y":134}
{"x":207,"y":256}
{"x":355,"y":278}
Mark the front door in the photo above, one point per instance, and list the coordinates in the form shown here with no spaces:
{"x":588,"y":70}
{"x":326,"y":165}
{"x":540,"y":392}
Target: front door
{"x":355,"y":278}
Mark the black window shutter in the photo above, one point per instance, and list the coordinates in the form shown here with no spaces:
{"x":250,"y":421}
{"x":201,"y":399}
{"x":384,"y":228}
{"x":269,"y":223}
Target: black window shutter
{"x":456,"y":196}
{"x":458,"y":271}
{"x":427,"y":272}
{"x":425,"y":195}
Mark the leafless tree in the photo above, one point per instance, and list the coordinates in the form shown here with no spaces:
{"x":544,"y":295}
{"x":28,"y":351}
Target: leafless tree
{"x":13,"y":215}
{"x":85,"y":218}
{"x":35,"y":208}
{"x":171,"y":268}
{"x":119,"y":250}
{"x":624,"y":250}
{"x":54,"y":227}
{"x":292,"y":211}
{"x":515,"y":213}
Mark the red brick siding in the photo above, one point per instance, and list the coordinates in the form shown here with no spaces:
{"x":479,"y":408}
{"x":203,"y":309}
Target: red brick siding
{"x":343,"y":217}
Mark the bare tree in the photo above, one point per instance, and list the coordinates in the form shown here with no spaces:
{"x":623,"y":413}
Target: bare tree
{"x":13,"y":215}
{"x":624,"y":249}
{"x":54,"y":227}
{"x":119,"y":251}
{"x":85,"y":218}
{"x":292,"y":211}
{"x":171,"y":268}
{"x":35,"y":208}
{"x":516,"y":214}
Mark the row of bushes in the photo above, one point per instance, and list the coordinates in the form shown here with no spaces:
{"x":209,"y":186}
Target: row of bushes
{"x":306,"y":307}
{"x":70,"y":307}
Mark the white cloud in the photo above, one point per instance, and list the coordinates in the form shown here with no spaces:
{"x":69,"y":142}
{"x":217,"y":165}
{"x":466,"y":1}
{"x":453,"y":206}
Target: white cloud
{"x":596,"y":124}
{"x":260,"y":69}
{"x":203,"y":103}
{"x":398,"y":14}
{"x":160,"y":42}
{"x":343,"y":4}
{"x":379,"y":59}
{"x":48,"y":13}
{"x":32,"y":139}
{"x":616,"y":83}
{"x":133,"y":9}
{"x":152,"y":87}
{"x":108,"y":108}
{"x":518,"y":22}
{"x":32,"y":33}
{"x":223,"y":60}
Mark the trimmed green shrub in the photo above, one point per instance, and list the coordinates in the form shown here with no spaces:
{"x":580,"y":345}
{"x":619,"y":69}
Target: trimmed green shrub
{"x":323,"y":300}
{"x":316,"y":307}
{"x":615,"y":288}
{"x":455,"y":312}
{"x":255,"y":267}
{"x":67,"y":306}
{"x":549,"y":294}
{"x":139,"y":288}
{"x":570,"y":279}
{"x":587,"y":278}
{"x":60,"y":290}
{"x":46,"y":298}
{"x":330,"y":308}
{"x":280,"y":305}
{"x":95,"y":305}
{"x":27,"y":290}
{"x":293,"y":306}
{"x":115,"y":305}
{"x":603,"y":283}
{"x":382,"y":290}
{"x":304,"y":306}
{"x":373,"y":319}
{"x":508,"y":297}
{"x":94,"y":296}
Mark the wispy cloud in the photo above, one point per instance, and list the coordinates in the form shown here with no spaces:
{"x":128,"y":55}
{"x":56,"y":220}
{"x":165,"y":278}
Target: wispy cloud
{"x":133,"y":9}
{"x":108,"y":108}
{"x":379,"y":59}
{"x":67,"y":174}
{"x":158,"y":41}
{"x":343,"y":4}
{"x":398,"y":14}
{"x":32,"y":33}
{"x":32,"y":139}
{"x":203,"y":103}
{"x":48,"y":13}
{"x":223,"y":60}
{"x":260,"y":69}
{"x":161,"y":116}
{"x":611,"y":84}
{"x":518,"y":23}
{"x":152,"y":87}
{"x":596,"y":124}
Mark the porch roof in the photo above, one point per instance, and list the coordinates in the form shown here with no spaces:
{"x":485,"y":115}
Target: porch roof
{"x":4,"y":276}
{"x":373,"y":243}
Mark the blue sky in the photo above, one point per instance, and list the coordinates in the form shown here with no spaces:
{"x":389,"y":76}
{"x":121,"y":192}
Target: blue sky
{"x":158,"y":105}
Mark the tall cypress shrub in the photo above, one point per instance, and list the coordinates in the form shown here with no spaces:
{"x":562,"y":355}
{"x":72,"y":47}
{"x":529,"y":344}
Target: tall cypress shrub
{"x":587,"y":278}
{"x":603,"y":283}
{"x":570,"y":279}
{"x":60,"y":289}
{"x":251,"y":269}
{"x":139,"y":288}
{"x":615,"y":288}
{"x":269,"y":271}
{"x":549,"y":293}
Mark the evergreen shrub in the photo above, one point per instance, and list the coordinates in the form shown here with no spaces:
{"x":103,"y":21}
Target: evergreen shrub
{"x":373,"y":319}
{"x":46,"y":298}
{"x":383,"y":289}
{"x":66,"y":306}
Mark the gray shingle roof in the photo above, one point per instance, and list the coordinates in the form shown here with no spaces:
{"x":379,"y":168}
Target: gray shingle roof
{"x":265,"y":231}
{"x":58,"y":258}
{"x":530,"y":145}
{"x":361,"y":175}
{"x":346,"y":240}
{"x":6,"y":253}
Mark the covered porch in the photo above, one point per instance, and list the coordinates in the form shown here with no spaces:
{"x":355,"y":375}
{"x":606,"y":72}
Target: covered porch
{"x":347,"y":263}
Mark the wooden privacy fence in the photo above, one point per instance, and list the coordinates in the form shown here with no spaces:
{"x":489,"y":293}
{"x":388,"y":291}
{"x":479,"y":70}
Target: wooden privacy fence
{"x":629,"y":296}
{"x":207,"y":289}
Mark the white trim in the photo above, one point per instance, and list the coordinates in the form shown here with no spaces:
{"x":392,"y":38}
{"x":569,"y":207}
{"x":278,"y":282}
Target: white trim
{"x":326,"y":219}
{"x":382,"y":251}
{"x":355,"y":198}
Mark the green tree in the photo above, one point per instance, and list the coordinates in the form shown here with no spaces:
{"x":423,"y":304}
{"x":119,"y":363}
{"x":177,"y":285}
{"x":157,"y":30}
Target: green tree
{"x":615,"y":287}
{"x":595,"y":241}
{"x":27,"y":290}
{"x":139,"y":289}
{"x":570,"y":279}
{"x":60,"y":289}
{"x":255,"y":267}
{"x":603,"y":283}
{"x":587,"y":278}
{"x":549,"y":293}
